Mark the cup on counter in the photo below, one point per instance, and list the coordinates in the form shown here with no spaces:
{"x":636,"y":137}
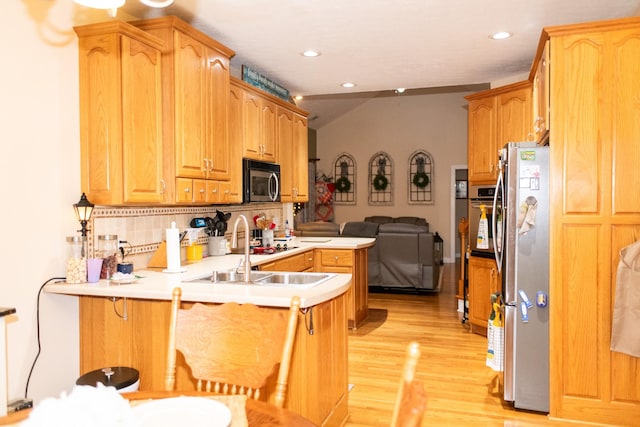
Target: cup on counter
{"x":267,"y":238}
{"x":94,"y":267}
{"x":125,"y":267}
{"x":217,"y":245}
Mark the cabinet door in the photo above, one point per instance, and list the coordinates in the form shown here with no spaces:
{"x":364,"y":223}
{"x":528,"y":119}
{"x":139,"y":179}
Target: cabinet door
{"x":285,"y":145}
{"x":483,"y":281}
{"x":142,"y":123}
{"x":514,"y":117}
{"x":190,"y":106}
{"x":251,"y":125}
{"x":300,"y":159}
{"x":217,"y":159}
{"x":235,"y":143}
{"x":121,"y":135}
{"x":482,"y":140}
{"x":268,"y":112}
{"x":541,"y":95}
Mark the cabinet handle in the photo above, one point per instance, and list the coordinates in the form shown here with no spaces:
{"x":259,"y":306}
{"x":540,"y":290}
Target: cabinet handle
{"x":186,"y":190}
{"x":201,"y":190}
{"x":164,"y":186}
{"x":214,"y":190}
{"x":226,"y":191}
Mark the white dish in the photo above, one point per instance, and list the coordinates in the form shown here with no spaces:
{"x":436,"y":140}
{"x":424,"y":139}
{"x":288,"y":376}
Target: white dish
{"x":185,"y":411}
{"x":123,"y":278}
{"x":125,"y":281}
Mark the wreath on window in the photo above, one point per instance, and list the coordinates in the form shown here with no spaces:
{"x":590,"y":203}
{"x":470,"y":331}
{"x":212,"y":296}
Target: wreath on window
{"x":380,"y":182}
{"x":343,"y":184}
{"x":421,"y":180}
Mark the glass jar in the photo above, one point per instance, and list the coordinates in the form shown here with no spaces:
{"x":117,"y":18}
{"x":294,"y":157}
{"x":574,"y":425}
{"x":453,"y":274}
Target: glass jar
{"x":76,"y":259}
{"x":108,"y":251}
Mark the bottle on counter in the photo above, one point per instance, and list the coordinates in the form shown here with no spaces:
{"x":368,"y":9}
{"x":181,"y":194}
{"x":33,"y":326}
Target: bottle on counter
{"x":108,"y":251}
{"x":76,"y":259}
{"x":287,"y":229}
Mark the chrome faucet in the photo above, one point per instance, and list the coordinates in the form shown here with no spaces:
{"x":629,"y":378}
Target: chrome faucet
{"x":234,"y":245}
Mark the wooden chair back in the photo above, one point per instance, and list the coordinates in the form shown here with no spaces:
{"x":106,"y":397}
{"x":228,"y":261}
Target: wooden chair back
{"x":411,"y":400}
{"x":232,"y":348}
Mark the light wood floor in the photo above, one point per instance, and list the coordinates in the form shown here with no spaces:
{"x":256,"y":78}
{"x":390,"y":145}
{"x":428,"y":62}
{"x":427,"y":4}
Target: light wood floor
{"x":461,"y":390}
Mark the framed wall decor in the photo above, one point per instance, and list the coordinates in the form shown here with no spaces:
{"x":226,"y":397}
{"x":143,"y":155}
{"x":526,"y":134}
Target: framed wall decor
{"x":344,"y":170}
{"x":461,"y":189}
{"x":420,"y":178}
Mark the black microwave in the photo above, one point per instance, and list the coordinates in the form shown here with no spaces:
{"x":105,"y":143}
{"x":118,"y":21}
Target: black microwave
{"x":260,"y":181}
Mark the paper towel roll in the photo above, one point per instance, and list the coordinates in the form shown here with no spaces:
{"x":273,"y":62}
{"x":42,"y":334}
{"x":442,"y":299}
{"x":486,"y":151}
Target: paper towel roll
{"x":173,"y":249}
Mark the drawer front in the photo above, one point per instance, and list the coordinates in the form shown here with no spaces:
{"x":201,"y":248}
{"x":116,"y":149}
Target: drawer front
{"x":336,"y":257}
{"x":308,"y":260}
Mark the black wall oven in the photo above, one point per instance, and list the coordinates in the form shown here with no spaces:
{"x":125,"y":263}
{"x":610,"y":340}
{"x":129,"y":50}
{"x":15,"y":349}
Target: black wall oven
{"x":480,"y":195}
{"x":260,"y":181}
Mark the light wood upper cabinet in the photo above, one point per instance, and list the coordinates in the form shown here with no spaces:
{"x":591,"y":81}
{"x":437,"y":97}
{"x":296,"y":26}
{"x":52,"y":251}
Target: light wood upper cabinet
{"x":482,"y":142}
{"x":190,"y":105}
{"x":196,"y":90}
{"x":514,"y":115}
{"x":217,"y":160}
{"x":274,"y":131}
{"x":541,"y":94}
{"x":285,"y":141}
{"x":496,"y":116}
{"x":121,"y":136}
{"x":235,"y":129}
{"x":293,"y":149}
{"x":300,"y":158}
{"x":259,"y":120}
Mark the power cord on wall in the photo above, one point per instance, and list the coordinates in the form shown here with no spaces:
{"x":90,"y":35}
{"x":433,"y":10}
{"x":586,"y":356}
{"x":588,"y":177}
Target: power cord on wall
{"x":27,"y":403}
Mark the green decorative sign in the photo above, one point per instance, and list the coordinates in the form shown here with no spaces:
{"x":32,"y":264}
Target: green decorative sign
{"x":258,"y":80}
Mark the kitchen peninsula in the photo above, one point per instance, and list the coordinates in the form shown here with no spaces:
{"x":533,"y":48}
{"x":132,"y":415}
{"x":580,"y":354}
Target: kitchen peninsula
{"x":126,"y":325}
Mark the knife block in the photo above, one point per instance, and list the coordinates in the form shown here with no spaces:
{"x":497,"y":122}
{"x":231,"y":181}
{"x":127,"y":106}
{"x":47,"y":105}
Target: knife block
{"x":159,"y":258}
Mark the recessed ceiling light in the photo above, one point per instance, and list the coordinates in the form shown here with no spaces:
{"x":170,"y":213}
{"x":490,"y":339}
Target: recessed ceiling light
{"x":348,"y":85}
{"x":298,"y":97}
{"x":310,"y":53}
{"x":400,"y":90}
{"x":500,"y":35}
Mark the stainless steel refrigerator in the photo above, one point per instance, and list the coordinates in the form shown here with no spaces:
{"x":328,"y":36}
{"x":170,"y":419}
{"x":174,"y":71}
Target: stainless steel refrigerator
{"x":521,"y":227}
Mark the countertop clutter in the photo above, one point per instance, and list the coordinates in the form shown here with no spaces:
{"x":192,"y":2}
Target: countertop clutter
{"x":154,"y":284}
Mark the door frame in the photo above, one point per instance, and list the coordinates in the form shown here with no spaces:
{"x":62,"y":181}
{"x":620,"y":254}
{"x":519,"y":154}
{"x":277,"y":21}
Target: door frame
{"x":453,"y":232}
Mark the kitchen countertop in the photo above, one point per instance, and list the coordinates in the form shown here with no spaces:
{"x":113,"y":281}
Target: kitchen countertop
{"x":156,"y":285}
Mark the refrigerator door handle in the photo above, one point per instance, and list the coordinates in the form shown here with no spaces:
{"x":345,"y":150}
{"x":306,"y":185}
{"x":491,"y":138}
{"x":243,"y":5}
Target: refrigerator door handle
{"x":498,"y":235}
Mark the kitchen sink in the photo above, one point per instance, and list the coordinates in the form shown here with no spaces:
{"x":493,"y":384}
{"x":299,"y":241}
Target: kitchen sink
{"x":234,"y":276}
{"x":295,"y":279}
{"x":267,"y":278}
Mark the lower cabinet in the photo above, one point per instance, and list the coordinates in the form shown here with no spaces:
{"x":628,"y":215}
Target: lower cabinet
{"x":354,"y":262}
{"x":484,"y":280}
{"x":134,"y":333}
{"x":298,"y":262}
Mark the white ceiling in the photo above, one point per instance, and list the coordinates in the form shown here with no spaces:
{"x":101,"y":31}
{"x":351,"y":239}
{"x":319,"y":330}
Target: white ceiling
{"x":381,"y":44}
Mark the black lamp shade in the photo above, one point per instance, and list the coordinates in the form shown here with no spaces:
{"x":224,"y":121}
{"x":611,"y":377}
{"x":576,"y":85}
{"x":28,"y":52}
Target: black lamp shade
{"x":83,"y":208}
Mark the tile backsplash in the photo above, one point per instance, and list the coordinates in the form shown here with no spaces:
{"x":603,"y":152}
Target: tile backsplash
{"x":143,"y":228}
